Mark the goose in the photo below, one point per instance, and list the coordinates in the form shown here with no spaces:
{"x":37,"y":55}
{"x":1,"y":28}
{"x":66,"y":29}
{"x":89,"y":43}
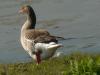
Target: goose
{"x":39,"y":43}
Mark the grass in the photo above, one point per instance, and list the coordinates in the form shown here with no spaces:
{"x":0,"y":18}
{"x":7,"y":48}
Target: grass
{"x":74,"y":64}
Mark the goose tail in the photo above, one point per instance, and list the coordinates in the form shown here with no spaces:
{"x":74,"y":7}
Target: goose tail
{"x":54,"y":46}
{"x":50,"y":46}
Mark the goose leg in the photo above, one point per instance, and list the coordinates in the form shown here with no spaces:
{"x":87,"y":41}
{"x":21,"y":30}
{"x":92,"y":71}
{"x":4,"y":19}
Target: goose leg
{"x":38,"y":57}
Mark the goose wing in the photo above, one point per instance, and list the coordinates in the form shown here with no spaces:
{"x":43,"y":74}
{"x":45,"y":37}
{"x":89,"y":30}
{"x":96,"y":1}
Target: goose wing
{"x":35,"y":33}
{"x":45,"y":39}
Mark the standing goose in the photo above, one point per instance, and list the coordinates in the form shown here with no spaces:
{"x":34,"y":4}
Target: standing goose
{"x":37,"y":42}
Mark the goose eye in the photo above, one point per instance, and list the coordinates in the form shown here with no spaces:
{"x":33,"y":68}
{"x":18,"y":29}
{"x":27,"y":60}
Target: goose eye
{"x":23,"y":10}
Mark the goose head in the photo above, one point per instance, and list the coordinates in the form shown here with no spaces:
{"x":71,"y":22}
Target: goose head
{"x":31,"y":17}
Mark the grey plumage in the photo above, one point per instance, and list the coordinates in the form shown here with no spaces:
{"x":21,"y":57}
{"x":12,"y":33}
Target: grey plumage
{"x":39,"y":43}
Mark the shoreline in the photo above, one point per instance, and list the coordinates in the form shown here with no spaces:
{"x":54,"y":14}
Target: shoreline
{"x":73,"y":64}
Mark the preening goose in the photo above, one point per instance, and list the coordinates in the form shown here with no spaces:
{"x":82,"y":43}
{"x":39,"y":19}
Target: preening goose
{"x":37,"y":42}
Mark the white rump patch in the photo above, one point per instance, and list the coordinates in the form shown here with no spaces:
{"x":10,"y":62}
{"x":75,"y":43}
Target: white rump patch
{"x":45,"y":46}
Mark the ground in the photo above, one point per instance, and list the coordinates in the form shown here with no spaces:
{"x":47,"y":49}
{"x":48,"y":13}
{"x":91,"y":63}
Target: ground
{"x":74,"y":64}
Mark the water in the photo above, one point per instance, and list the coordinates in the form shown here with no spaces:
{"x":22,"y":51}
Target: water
{"x":76,"y":20}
